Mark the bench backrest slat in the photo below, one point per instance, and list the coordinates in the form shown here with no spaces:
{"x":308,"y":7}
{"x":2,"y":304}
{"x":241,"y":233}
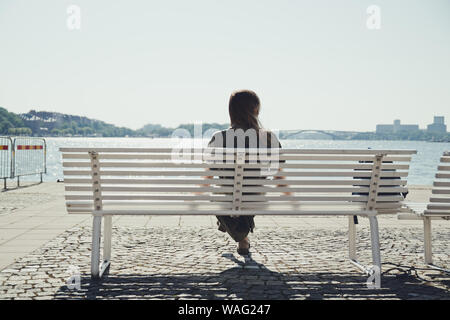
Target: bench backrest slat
{"x":440,"y":200}
{"x":250,"y":151}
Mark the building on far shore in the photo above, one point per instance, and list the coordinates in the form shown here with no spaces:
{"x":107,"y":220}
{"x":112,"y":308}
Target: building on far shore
{"x":397,"y":127}
{"x":438,"y":125}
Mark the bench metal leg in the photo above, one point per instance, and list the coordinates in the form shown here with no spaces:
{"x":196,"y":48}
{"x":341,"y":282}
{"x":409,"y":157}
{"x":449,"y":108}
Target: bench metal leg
{"x":107,"y":231}
{"x":97,"y":268}
{"x":95,"y":251}
{"x":428,"y":252}
{"x":375,"y":243}
{"x":351,"y":238}
{"x":352,"y":245}
{"x":427,"y":243}
{"x":427,"y":240}
{"x":375,"y":239}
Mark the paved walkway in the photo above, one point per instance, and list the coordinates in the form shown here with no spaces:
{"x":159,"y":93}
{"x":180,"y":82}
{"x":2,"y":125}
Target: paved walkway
{"x":33,"y":215}
{"x":186,"y":257}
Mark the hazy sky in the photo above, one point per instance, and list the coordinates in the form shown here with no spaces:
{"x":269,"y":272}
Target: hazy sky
{"x":314,"y":64}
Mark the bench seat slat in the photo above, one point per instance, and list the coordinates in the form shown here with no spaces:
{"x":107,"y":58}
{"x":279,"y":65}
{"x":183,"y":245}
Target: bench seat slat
{"x":274,"y":207}
{"x":441,"y":184}
{"x":199,"y":181}
{"x":438,"y":207}
{"x":230,"y":173}
{"x":79,"y":210}
{"x":230,"y":189}
{"x":440,"y":200}
{"x":225,"y":173}
{"x":332,"y":190}
{"x":289,"y":204}
{"x":183,"y":212}
{"x":84,"y":204}
{"x":440,"y":191}
{"x":108,"y":203}
{"x":132,"y":206}
{"x":148,"y":165}
{"x":155,"y":173}
{"x":354,"y":166}
{"x":228,"y":198}
{"x":151,"y":197}
{"x":168,"y":156}
{"x":362,"y":182}
{"x":319,"y":198}
{"x":152,"y":189}
{"x":437,"y":212}
{"x":281,"y":151}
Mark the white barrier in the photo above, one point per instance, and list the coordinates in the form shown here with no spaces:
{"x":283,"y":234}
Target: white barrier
{"x":6,"y":159}
{"x":22,"y":156}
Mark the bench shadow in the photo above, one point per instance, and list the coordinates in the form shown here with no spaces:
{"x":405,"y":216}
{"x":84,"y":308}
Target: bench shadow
{"x":250,"y":280}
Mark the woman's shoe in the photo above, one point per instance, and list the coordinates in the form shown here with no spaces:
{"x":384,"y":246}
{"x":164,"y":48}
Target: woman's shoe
{"x":221,"y":227}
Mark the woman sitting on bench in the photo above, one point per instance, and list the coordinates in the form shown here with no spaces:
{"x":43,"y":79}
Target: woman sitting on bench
{"x":245,"y":132}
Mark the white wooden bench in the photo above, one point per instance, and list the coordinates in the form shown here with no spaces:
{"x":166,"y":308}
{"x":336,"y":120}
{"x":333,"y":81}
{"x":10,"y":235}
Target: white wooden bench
{"x":137,"y":181}
{"x":438,"y":207}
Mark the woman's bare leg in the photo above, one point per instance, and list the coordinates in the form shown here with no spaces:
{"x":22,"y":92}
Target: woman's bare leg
{"x":244,"y":243}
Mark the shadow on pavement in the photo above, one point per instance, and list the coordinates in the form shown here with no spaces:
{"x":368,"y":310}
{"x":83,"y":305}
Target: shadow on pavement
{"x":251,"y":280}
{"x":23,"y":185}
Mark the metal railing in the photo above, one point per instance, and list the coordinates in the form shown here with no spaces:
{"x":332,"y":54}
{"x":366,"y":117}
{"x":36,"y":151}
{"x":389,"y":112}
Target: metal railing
{"x":22,"y":156}
{"x":6,"y":159}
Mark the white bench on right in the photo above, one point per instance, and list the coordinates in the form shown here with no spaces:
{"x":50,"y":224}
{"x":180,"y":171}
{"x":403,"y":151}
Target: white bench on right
{"x":438,"y":207}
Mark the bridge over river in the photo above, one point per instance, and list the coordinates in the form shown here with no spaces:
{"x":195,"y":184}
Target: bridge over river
{"x":314,"y":134}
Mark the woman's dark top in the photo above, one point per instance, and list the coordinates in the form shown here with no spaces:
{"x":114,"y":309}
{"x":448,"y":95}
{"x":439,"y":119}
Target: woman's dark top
{"x":239,"y":226}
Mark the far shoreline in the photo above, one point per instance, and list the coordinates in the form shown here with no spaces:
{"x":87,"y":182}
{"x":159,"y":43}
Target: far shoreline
{"x":140,"y":137}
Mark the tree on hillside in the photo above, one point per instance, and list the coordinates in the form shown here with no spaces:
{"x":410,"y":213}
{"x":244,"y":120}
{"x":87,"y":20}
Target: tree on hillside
{"x":9,"y":120}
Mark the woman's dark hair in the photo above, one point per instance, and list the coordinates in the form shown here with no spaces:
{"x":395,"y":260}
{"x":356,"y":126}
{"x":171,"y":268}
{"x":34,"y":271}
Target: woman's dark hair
{"x":244,"y":110}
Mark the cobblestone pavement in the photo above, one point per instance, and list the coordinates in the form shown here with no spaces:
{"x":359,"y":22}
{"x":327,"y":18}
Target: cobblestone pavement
{"x":201,"y":263}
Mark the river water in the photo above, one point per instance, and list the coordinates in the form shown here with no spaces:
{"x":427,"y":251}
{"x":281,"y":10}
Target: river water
{"x":422,"y":171}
